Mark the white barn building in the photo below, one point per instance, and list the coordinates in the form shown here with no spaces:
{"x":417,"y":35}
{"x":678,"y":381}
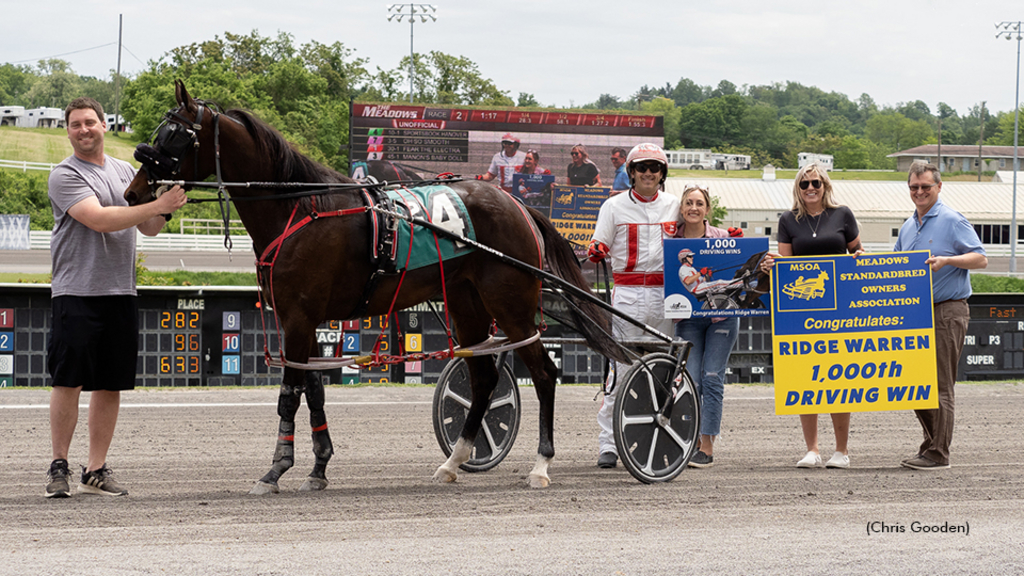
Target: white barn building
{"x":880,"y":207}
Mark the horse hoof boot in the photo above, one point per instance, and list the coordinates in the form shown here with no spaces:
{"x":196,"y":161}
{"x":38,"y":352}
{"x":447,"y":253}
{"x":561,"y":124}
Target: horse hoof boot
{"x":445,"y":476}
{"x":313,"y":485}
{"x":262,"y":488}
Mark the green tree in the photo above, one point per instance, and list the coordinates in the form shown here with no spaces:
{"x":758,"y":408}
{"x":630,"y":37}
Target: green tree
{"x":672,"y":116}
{"x":713,"y":122}
{"x":527,"y":100}
{"x":606,"y":102}
{"x":26,"y":194}
{"x":851,"y":154}
{"x":15,"y":83}
{"x":687,"y":91}
{"x":725,"y":88}
{"x":897,"y":132}
{"x":1003,"y":134}
{"x":763,"y":131}
{"x":440,"y":79}
{"x":57,"y":85}
{"x":302,"y":91}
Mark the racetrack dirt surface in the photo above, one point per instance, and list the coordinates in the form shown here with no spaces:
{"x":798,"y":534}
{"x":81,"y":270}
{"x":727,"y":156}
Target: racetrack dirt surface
{"x":189,"y":458}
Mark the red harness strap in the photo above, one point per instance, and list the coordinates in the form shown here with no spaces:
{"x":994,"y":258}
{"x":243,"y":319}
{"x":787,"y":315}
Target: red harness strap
{"x":273,"y":250}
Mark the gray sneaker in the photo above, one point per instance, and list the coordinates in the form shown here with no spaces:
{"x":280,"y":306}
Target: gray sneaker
{"x":57,"y":480}
{"x":100,"y":482}
{"x":702,"y":460}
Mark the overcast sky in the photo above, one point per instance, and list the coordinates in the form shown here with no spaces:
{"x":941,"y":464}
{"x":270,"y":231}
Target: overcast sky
{"x":572,"y":52}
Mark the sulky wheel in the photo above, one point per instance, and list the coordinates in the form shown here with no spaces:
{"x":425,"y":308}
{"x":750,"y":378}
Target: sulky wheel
{"x":719,"y":302}
{"x":651,"y":448}
{"x":501,"y":422}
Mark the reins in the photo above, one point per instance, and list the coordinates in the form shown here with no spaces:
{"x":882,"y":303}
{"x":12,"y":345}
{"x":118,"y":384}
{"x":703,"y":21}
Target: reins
{"x":273,"y":250}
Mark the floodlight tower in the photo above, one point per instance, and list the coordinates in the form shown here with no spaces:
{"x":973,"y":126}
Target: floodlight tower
{"x":1011,"y":31}
{"x":421,"y":11}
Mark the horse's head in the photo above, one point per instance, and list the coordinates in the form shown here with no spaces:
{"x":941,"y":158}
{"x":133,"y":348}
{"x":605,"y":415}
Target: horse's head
{"x":175,"y":150}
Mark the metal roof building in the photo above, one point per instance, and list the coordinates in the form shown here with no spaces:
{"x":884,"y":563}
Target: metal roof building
{"x":880,"y":207}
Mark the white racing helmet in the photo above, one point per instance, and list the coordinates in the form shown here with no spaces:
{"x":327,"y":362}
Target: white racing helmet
{"x":647,"y":152}
{"x":684,"y":254}
{"x":508,"y":138}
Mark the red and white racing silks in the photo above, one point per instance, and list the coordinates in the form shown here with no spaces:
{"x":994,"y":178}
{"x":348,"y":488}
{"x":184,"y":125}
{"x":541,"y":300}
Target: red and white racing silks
{"x":503,"y":167}
{"x":634,"y":227}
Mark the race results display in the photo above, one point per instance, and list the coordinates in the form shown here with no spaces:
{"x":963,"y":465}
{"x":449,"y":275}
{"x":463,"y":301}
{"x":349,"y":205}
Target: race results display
{"x":434,"y":139}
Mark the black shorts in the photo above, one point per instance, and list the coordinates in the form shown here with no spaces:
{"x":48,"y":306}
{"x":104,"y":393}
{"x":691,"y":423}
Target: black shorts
{"x":94,"y":342}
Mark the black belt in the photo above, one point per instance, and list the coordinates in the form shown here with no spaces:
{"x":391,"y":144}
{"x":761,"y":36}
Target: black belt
{"x":964,"y":300}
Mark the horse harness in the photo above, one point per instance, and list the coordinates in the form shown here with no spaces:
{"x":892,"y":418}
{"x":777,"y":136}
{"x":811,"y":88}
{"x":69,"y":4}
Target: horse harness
{"x":162,"y":162}
{"x":381,"y":211}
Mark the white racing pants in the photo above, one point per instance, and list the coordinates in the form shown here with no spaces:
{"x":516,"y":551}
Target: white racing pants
{"x":643,"y":303}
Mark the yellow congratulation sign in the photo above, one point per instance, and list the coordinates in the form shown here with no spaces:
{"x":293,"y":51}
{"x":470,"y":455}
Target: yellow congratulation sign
{"x":853,"y":334}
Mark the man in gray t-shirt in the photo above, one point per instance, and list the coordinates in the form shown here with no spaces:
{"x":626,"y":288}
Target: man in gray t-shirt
{"x":94,"y":330}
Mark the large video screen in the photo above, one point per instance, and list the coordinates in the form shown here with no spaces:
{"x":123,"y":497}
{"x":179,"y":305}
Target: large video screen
{"x":430,"y":140}
{"x":437,"y":139}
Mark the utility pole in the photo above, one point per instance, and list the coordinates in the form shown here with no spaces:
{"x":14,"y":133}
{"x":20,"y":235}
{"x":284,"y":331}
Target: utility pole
{"x":981,"y":137}
{"x":1009,"y":31}
{"x":117,"y":78}
{"x":422,"y":11}
{"x":939,"y":155}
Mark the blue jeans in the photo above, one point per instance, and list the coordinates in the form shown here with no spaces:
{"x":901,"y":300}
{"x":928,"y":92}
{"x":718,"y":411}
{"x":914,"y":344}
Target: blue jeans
{"x":709,"y":357}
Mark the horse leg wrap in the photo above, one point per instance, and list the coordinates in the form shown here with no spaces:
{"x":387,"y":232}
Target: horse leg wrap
{"x":323,"y":449}
{"x":284,"y":454}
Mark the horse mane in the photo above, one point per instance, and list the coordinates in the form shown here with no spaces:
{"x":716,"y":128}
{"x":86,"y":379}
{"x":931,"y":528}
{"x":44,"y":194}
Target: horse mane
{"x":289,"y":164}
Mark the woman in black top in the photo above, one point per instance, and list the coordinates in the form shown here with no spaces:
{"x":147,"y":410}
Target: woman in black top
{"x":582,"y":172}
{"x":817,"y":226}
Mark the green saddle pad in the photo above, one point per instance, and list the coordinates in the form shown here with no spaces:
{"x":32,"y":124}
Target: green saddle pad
{"x":441,"y":206}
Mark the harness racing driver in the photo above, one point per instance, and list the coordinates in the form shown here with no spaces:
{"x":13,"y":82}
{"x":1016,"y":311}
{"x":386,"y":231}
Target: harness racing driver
{"x":630,"y":229}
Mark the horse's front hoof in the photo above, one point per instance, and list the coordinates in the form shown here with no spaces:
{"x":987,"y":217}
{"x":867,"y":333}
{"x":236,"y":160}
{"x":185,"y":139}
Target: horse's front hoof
{"x":445,"y":476}
{"x":262,"y":488}
{"x":313,"y":484}
{"x":539,"y":475}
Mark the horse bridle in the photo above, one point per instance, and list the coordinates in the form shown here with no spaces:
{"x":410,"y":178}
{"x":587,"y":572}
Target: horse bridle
{"x":172,"y":140}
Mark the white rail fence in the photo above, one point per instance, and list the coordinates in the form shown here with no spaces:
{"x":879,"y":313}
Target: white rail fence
{"x":26,"y":166}
{"x":164,"y":242}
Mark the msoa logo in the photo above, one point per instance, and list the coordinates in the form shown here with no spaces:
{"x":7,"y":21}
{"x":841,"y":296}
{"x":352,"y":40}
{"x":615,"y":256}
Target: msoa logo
{"x":806,"y":285}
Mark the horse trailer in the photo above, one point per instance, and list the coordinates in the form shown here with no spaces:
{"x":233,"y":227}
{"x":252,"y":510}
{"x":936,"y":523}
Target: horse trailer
{"x":805,"y":158}
{"x":690,"y":159}
{"x":731,"y":161}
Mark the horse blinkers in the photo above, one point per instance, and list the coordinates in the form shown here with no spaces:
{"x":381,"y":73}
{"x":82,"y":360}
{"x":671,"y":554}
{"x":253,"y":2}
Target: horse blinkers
{"x":162,"y":160}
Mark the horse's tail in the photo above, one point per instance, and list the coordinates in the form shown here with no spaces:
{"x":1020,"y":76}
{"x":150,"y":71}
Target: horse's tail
{"x":594,"y":323}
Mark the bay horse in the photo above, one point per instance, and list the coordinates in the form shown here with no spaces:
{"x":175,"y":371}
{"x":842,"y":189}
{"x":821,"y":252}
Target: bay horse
{"x":758,"y":286}
{"x":320,"y":272}
{"x":388,"y":171}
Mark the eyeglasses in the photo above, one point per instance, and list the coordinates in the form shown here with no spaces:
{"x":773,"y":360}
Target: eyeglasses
{"x":652,"y":167}
{"x":921,"y":187}
{"x":575,"y":153}
{"x":812,"y":183}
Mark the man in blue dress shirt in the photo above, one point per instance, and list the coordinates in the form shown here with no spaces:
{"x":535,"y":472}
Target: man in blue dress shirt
{"x":955,"y":249}
{"x":621,"y":183}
